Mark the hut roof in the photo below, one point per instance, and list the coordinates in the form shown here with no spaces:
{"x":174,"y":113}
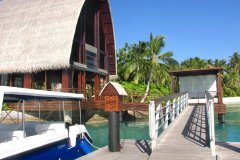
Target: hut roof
{"x":118,"y":88}
{"x":196,"y":72}
{"x":37,"y":34}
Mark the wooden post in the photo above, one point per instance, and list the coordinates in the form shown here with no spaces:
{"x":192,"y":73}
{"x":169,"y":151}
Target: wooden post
{"x":10,"y":80}
{"x":79,"y":82}
{"x":64,"y":80}
{"x":96,"y":87}
{"x":84,"y":83}
{"x":27,"y":80}
{"x":219,"y":88}
{"x":173,"y":85}
{"x":45,"y":80}
{"x":113,"y":104}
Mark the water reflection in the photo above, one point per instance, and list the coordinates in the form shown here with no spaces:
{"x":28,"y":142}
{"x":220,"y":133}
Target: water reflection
{"x":128,"y":130}
{"x":230,"y":131}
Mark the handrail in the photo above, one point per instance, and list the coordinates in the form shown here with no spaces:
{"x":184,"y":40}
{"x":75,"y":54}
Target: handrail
{"x":210,"y":119}
{"x":161,"y":116}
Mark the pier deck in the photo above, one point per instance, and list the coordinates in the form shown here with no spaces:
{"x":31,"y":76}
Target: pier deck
{"x":228,"y":150}
{"x":132,"y":150}
{"x":186,"y":138}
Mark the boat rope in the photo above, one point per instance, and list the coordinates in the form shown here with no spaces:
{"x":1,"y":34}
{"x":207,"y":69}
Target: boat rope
{"x":121,"y":126}
{"x":90,"y":142}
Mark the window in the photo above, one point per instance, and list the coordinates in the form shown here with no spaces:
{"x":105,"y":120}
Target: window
{"x":17,"y":80}
{"x":5,"y":81}
{"x":91,"y":59}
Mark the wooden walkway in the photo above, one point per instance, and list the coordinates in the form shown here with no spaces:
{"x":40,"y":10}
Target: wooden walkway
{"x":186,"y":138}
{"x":228,"y":150}
{"x":132,"y":150}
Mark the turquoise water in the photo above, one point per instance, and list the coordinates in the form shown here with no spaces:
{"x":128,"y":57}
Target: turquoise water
{"x":128,"y":130}
{"x":139,"y":129}
{"x":230,"y":131}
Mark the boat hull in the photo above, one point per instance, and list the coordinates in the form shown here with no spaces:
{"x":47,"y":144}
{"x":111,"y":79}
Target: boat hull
{"x":56,"y":151}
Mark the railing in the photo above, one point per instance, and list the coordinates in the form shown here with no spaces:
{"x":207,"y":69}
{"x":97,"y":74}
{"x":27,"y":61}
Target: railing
{"x":210,"y":120}
{"x":163,"y":111}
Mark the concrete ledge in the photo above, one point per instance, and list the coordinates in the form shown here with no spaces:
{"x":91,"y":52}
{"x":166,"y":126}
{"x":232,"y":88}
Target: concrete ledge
{"x":231,"y":100}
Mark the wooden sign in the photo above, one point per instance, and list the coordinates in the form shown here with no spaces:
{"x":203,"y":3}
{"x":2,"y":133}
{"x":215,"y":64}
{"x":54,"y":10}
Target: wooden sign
{"x":112,"y":103}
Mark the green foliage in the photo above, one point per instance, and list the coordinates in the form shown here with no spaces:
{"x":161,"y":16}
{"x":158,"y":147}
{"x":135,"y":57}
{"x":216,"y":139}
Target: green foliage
{"x":136,"y":91}
{"x":5,"y":107}
{"x":141,"y":63}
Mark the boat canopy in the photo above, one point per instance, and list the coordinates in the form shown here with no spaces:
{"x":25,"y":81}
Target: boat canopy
{"x":16,"y":94}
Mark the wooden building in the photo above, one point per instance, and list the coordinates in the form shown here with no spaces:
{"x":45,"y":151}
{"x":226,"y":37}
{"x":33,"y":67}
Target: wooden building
{"x":57,"y":45}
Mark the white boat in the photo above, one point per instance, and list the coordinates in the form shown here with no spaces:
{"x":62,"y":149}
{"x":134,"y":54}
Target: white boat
{"x":41,"y":140}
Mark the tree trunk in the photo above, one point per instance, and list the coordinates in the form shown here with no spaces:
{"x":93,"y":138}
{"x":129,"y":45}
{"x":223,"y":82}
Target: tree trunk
{"x":147,"y":89}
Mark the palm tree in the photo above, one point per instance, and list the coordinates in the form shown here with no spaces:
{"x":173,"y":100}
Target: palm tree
{"x":135,"y":64}
{"x":235,"y":61}
{"x":147,"y":64}
{"x":156,"y":62}
{"x":194,"y":63}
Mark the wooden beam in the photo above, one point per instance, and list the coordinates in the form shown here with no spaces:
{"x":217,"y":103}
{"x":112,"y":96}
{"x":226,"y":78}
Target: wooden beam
{"x":83,"y":83}
{"x":173,"y":84}
{"x":106,"y":79}
{"x":65,"y":80}
{"x":96,"y":86}
{"x":27,"y":80}
{"x":10,"y":80}
{"x":219,"y":88}
{"x":45,"y":80}
{"x":79,"y":82}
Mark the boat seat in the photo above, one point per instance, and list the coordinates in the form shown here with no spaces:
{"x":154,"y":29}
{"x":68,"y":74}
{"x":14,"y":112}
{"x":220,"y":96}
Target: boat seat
{"x":74,"y":131}
{"x":10,"y":135}
{"x":9,"y":127}
{"x":53,"y":127}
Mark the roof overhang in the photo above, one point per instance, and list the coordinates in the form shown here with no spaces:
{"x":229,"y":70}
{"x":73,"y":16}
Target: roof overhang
{"x":16,"y":94}
{"x":196,"y":72}
{"x":37,"y":35}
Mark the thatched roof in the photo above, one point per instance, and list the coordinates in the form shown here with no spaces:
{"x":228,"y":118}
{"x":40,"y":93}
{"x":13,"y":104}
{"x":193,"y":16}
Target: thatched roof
{"x":37,"y":34}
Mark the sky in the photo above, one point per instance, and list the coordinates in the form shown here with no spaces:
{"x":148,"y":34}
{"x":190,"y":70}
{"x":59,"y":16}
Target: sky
{"x":209,"y":29}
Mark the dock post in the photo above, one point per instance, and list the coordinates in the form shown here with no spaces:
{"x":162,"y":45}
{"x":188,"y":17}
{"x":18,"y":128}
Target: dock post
{"x":113,"y":97}
{"x":221,"y":118}
{"x":113,"y":135}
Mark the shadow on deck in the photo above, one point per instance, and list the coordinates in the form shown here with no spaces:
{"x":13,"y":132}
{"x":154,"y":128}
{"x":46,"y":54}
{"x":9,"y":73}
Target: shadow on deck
{"x":196,"y":128}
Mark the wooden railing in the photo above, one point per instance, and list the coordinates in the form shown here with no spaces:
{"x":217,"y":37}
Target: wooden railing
{"x":163,"y":111}
{"x":210,"y":120}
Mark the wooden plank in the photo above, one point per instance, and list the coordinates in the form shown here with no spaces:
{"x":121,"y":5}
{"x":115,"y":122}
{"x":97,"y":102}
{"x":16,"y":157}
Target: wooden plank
{"x":132,"y":150}
{"x":27,"y":80}
{"x":187,"y":138}
{"x":228,"y":150}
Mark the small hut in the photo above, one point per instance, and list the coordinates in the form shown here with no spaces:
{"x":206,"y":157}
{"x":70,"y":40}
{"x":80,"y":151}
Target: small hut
{"x":197,"y":81}
{"x":113,"y":95}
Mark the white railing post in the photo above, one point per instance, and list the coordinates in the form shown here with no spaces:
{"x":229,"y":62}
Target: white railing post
{"x":183,"y":100}
{"x":173,"y":109}
{"x":159,"y":120}
{"x":152,"y":124}
{"x":210,"y":118}
{"x":181,"y":104}
{"x":166,"y":114}
{"x":178,"y":105}
{"x":212,"y":138}
{"x":158,"y":111}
